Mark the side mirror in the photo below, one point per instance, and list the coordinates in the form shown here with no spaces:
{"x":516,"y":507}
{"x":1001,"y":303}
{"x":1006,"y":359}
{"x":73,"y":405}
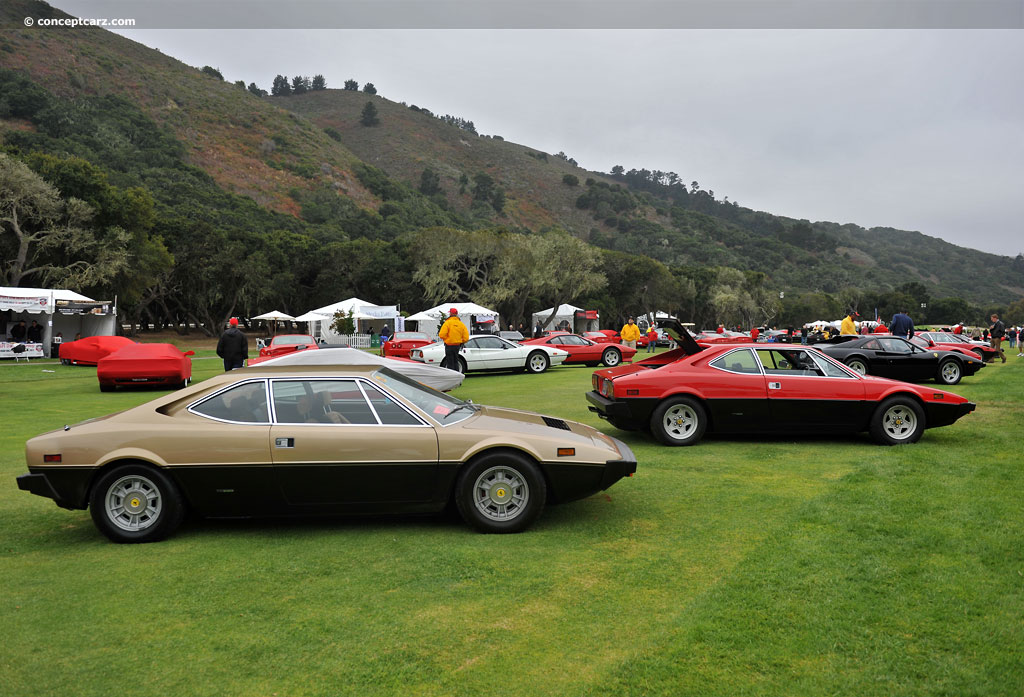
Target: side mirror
{"x":190,"y":353}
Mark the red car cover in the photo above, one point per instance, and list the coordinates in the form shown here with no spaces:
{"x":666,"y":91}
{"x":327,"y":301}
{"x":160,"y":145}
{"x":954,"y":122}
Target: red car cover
{"x":91,"y":349}
{"x":145,"y":364}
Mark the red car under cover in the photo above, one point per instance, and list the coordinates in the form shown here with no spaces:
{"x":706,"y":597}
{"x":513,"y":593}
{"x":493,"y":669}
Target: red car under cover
{"x":145,"y":364}
{"x":91,"y":349}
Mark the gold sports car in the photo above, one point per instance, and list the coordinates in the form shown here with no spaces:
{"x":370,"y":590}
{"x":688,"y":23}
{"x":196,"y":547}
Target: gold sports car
{"x":317,"y":440}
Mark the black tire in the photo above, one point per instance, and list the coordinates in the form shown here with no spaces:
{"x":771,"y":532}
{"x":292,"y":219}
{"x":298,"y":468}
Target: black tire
{"x":896,"y":421}
{"x":500,"y":492}
{"x":950,"y":372}
{"x":593,"y":364}
{"x":857,"y":365}
{"x":105,"y":387}
{"x":150,"y":504}
{"x":537,"y":362}
{"x":611,"y":357}
{"x":463,"y":367}
{"x":65,"y":361}
{"x":679,"y":421}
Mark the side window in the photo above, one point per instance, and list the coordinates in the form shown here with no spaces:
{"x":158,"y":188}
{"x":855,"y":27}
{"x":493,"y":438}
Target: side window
{"x":473,"y":343}
{"x":389,"y":412}
{"x":830,"y":369}
{"x":555,"y":340}
{"x":738,"y":362}
{"x":573,"y":340}
{"x":789,"y":362}
{"x":894,"y":345}
{"x":489,"y":342}
{"x":246,"y":403}
{"x":320,"y":402}
{"x":873,"y":345}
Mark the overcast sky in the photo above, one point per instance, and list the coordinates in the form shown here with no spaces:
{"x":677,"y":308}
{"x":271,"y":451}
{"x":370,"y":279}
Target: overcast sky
{"x":912,"y":129}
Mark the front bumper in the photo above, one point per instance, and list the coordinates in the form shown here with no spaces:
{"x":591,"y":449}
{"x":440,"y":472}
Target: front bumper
{"x":938,"y":414}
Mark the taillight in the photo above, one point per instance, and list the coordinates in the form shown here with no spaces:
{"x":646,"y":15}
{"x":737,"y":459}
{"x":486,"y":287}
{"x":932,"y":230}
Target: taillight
{"x":595,"y":381}
{"x":607,"y":388}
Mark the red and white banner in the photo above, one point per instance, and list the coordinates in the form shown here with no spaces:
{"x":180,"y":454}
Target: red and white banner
{"x":38,"y":303}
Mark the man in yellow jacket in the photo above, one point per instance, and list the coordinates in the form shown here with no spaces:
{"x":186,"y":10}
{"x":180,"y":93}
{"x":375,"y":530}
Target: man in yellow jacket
{"x":629,"y":333}
{"x":847,"y":326}
{"x":454,"y":334}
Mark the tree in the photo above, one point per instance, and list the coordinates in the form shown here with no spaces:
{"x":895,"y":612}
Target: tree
{"x":369,"y":88}
{"x":351,"y":85}
{"x":212,"y":72}
{"x":430,"y":182}
{"x":483,"y":187}
{"x":498,"y":200}
{"x":618,"y":170}
{"x":344,"y":323}
{"x":300,"y":84}
{"x":570,"y":180}
{"x":254,"y":88}
{"x":369,"y":115}
{"x":48,"y":239}
{"x":280,"y":87}
{"x":319,"y":83}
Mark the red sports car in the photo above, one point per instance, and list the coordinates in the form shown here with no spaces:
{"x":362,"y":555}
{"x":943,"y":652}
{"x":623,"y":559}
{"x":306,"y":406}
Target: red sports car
{"x":726,"y":337}
{"x":145,"y":364}
{"x":763,"y":388}
{"x":402,"y":342}
{"x":583,"y":350}
{"x":287,"y":343}
{"x":943,"y":346}
{"x":91,"y":349}
{"x":603,"y":336}
{"x":981,"y":348}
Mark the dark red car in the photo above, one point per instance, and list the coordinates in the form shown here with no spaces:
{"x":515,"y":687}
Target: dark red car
{"x":584,"y":351}
{"x":726,"y":337}
{"x":763,"y":388}
{"x":145,"y":364}
{"x":603,"y":336}
{"x":402,"y":342}
{"x":91,"y":349}
{"x":924,"y":343}
{"x":287,"y":343}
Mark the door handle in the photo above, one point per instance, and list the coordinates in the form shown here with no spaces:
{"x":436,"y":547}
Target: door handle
{"x":284,"y":442}
{"x":774,"y":385}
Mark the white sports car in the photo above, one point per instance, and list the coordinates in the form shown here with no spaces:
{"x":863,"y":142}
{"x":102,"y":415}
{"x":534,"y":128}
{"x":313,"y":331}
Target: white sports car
{"x":490,"y":352}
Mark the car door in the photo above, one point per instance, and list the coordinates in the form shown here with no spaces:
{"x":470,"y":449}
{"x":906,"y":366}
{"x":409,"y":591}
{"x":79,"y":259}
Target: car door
{"x":808,"y":393}
{"x":484,"y":353}
{"x":736,"y":393}
{"x":580,"y":350}
{"x":346,"y":444}
{"x":908,"y":362}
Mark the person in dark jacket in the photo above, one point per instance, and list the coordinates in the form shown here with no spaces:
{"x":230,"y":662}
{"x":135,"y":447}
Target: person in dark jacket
{"x":18,"y":332}
{"x":997,"y":332}
{"x":34,"y":333}
{"x":902,"y":325}
{"x":233,"y":347}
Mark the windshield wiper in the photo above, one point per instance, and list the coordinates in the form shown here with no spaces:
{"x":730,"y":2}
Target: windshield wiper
{"x":465,"y":405}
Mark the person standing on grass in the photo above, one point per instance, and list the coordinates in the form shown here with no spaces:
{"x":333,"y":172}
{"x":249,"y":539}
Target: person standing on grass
{"x":630,"y":333}
{"x":652,"y":339}
{"x":902,"y":325}
{"x":454,"y":334}
{"x":848,"y":327}
{"x":233,"y":347}
{"x":997,"y":332}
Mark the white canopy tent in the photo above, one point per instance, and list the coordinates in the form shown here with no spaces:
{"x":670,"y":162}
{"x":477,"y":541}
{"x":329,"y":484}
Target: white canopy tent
{"x":364,"y":313}
{"x":429,"y":321}
{"x":59,"y":311}
{"x":568,"y":315}
{"x":273,"y":315}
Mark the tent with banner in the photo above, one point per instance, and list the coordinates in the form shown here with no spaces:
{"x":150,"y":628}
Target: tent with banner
{"x":63,"y":314}
{"x":477,"y":318}
{"x":569,"y":317}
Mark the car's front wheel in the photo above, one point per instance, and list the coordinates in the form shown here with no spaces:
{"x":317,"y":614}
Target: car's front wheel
{"x":679,"y":421}
{"x":107,"y":387}
{"x":611,"y":357}
{"x":500,"y":492}
{"x":136,"y":503}
{"x":897,"y":420}
{"x":949,"y":372}
{"x":537,"y":362}
{"x":857,"y":365}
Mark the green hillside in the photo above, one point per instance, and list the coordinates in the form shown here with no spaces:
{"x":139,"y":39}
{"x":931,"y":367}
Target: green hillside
{"x":203,"y":200}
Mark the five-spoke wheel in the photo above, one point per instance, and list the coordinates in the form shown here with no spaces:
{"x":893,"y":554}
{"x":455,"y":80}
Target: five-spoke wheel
{"x":611,"y":357}
{"x":898,"y":420}
{"x":537,"y":362}
{"x":679,"y":421}
{"x":857,"y":365}
{"x":949,"y":372}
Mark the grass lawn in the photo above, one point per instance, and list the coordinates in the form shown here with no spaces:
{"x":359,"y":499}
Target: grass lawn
{"x":818,"y":566}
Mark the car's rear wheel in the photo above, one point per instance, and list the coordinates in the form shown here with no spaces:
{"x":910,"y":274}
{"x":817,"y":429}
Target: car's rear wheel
{"x":136,"y":503}
{"x":537,"y":362}
{"x":679,"y":421}
{"x":500,"y":492}
{"x":949,"y":372}
{"x":857,"y":365}
{"x":463,"y":367}
{"x":611,"y":357}
{"x":897,"y":420}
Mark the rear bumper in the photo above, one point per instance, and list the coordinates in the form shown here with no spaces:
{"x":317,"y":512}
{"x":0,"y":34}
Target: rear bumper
{"x":67,"y":487}
{"x":634,"y":412}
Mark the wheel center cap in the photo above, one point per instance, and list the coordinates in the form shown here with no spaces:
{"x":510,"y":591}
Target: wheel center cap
{"x":499,"y":494}
{"x":135,"y":504}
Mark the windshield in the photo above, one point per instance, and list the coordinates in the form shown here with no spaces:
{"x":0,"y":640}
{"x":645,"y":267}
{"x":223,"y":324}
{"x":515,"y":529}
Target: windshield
{"x":292,"y":340}
{"x":440,"y":407}
{"x":410,"y":336}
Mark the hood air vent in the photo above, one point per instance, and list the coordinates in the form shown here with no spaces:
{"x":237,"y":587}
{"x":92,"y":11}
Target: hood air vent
{"x":556,"y":423}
